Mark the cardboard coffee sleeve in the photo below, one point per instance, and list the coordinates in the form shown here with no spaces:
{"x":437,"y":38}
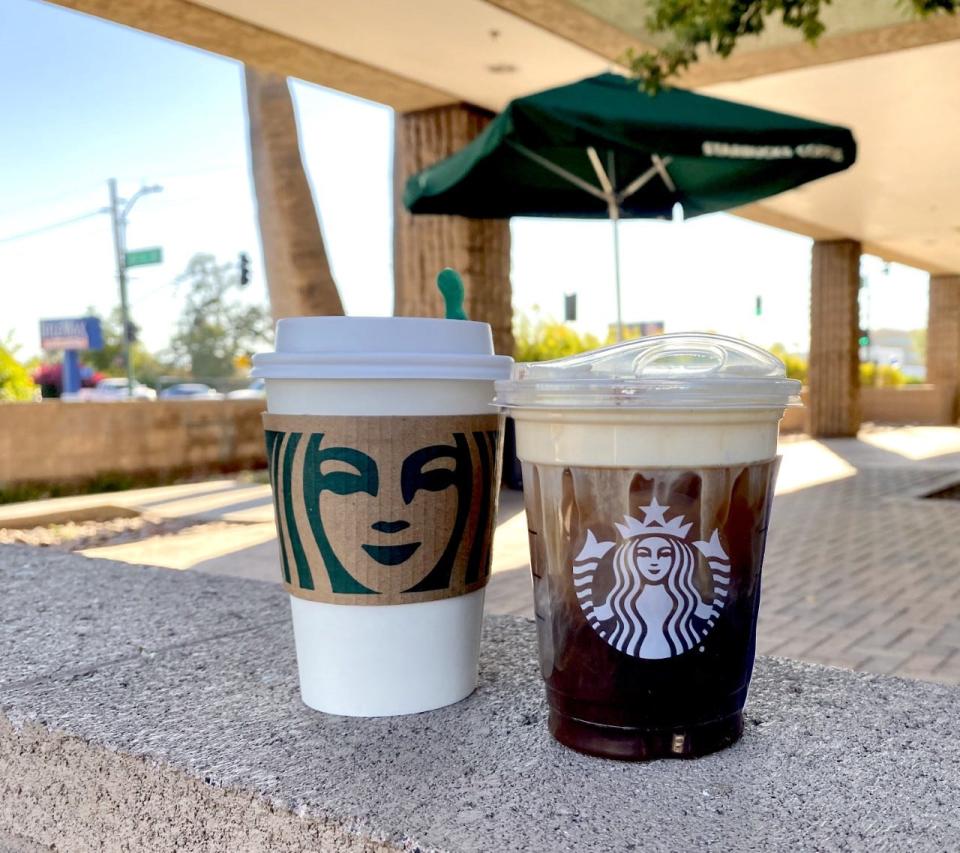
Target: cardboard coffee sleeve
{"x":379,"y":510}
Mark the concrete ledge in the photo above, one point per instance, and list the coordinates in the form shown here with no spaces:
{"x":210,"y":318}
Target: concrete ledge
{"x":17,"y":844}
{"x":904,"y":404}
{"x":142,"y":709}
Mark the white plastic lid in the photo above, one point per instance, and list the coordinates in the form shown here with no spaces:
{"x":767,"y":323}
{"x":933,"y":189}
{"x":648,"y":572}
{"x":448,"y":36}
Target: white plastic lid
{"x":678,"y":371}
{"x":381,"y":348}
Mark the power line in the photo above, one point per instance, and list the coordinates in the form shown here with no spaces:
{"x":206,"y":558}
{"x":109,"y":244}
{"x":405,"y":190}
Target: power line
{"x":150,"y":293}
{"x":59,"y":198}
{"x":194,"y":174}
{"x":51,"y":227}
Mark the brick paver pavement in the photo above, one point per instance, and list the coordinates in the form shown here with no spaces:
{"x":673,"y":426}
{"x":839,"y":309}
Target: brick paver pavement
{"x":860,"y":572}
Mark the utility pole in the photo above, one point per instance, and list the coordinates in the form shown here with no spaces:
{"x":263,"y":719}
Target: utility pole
{"x":118,"y":219}
{"x":119,"y":238}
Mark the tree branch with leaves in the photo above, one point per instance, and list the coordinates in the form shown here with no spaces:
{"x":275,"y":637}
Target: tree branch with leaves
{"x":216,"y":328}
{"x":716,"y":27}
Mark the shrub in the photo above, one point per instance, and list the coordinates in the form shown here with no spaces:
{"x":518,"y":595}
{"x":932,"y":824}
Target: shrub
{"x":884,"y":376}
{"x":796,"y":366}
{"x":543,"y":339}
{"x":15,"y":382}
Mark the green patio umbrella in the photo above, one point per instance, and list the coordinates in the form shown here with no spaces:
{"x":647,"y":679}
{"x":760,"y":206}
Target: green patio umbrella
{"x":601,"y":148}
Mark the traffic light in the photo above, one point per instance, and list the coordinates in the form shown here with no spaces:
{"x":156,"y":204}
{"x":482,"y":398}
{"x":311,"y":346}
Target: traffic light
{"x":864,"y":338}
{"x":244,"y":269}
{"x":758,"y":306}
{"x":569,"y":307}
{"x":133,"y":332}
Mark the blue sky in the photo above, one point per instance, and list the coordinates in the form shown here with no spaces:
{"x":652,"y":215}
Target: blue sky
{"x":83,"y":100}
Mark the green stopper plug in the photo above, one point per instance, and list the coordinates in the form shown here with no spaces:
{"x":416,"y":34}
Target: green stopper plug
{"x":450,"y":285}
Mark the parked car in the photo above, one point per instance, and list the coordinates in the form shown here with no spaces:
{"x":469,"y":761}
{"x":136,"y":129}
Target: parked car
{"x":256,"y":390}
{"x":112,"y":389}
{"x":190,"y":391}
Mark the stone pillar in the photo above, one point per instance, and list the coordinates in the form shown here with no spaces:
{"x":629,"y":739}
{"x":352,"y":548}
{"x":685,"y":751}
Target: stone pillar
{"x":943,"y":343}
{"x":833,"y":379}
{"x":479,"y":249}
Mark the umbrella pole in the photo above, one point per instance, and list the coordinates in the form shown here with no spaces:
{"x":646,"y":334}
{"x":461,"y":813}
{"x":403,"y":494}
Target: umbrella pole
{"x":615,"y":216}
{"x":613,"y":206}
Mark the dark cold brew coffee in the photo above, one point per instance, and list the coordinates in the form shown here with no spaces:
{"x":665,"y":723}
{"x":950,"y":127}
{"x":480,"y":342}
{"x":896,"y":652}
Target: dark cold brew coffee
{"x":647,"y":586}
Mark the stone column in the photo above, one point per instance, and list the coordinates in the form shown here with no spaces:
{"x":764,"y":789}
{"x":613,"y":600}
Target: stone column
{"x":479,"y":249}
{"x":943,"y":343}
{"x":833,"y":379}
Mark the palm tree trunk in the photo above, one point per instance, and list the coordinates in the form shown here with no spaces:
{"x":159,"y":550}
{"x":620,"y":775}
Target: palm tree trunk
{"x":299,"y":279}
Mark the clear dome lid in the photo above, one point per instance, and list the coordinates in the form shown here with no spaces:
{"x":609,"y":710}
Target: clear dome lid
{"x":677,"y":371}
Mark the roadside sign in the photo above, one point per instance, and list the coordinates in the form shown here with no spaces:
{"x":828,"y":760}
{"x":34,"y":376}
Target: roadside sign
{"x":71,"y":333}
{"x":142,"y":257}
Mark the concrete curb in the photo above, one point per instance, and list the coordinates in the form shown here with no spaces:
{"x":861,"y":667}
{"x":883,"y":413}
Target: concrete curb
{"x":199,"y":742}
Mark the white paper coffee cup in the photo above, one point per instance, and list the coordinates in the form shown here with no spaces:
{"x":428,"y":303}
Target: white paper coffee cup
{"x":359,"y":392}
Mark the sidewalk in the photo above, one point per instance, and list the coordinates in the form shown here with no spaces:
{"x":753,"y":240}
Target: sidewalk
{"x":860,"y":572}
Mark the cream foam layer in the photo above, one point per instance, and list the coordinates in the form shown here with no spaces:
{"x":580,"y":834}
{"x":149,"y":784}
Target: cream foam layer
{"x":652,"y":438}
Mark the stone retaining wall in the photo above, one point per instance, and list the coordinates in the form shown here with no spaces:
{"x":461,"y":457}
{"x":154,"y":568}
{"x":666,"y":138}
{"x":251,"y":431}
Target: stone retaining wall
{"x":56,"y":442}
{"x":909,"y":404}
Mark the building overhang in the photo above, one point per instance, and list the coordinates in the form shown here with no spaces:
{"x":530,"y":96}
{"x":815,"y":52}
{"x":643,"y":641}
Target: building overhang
{"x":876,"y":71}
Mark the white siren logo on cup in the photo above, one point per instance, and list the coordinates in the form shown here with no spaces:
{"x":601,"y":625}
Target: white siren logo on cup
{"x":640,"y":595}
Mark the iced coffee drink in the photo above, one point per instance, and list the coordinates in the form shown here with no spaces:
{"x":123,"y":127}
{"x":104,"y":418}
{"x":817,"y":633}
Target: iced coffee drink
{"x":648,"y":475}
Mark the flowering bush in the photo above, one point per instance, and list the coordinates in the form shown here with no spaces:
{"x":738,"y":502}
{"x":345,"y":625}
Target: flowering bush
{"x":542,"y":339}
{"x":882,"y":375}
{"x":15,"y":382}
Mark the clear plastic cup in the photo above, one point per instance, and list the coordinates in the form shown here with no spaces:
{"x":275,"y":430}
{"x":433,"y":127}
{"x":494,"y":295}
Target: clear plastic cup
{"x":648,"y":473}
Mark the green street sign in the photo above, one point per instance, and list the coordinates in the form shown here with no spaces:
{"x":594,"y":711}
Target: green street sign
{"x":142,"y":257}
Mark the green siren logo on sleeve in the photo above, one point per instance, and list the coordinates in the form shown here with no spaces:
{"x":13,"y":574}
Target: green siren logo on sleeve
{"x":383,"y":510}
